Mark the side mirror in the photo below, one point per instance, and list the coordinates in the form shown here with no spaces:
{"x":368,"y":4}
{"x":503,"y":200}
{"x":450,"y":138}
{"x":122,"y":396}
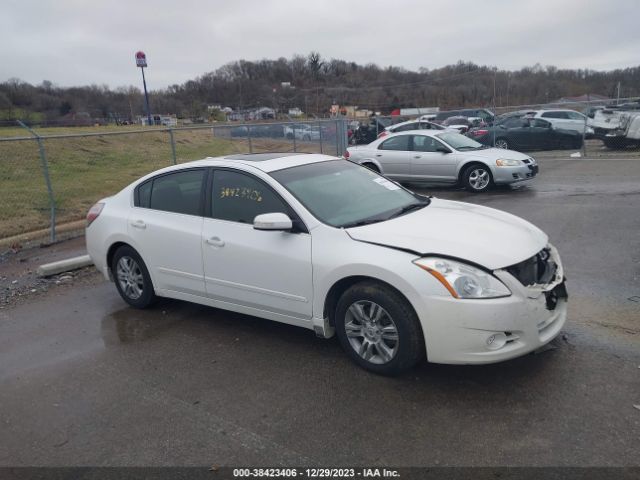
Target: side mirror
{"x":443,"y":150}
{"x":273,"y":221}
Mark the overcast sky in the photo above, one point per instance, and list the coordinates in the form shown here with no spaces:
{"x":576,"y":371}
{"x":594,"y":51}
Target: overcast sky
{"x":79,"y":42}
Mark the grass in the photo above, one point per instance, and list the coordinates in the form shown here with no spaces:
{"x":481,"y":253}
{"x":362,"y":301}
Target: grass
{"x":83,"y":170}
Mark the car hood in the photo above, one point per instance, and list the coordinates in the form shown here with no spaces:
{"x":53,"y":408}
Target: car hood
{"x":485,"y":236}
{"x":495,"y":153}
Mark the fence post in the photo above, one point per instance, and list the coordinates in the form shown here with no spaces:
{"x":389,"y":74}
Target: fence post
{"x":249,"y":139}
{"x":342,"y":141}
{"x":320,"y":130}
{"x":173,"y":146}
{"x":294,"y":138}
{"x":47,"y":179}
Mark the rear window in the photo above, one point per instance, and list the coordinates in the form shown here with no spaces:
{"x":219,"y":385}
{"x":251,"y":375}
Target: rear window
{"x":178,"y":192}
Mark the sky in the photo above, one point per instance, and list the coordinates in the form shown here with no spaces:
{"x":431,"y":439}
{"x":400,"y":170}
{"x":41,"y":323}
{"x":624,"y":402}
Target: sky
{"x":79,"y":42}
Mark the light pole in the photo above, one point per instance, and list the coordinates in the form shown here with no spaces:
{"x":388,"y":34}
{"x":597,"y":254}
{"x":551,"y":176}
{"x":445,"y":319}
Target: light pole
{"x":141,"y":61}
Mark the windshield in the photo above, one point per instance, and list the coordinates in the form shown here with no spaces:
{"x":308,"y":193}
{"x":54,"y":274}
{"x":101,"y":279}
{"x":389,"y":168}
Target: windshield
{"x":459,"y":142}
{"x":343,"y":194}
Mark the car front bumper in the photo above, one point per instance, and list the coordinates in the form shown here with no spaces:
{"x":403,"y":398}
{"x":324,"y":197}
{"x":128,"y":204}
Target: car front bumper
{"x":506,"y":175}
{"x":479,"y":331}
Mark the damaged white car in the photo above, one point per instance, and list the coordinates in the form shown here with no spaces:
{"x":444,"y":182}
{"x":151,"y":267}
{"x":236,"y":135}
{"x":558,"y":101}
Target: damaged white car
{"x":326,"y":244}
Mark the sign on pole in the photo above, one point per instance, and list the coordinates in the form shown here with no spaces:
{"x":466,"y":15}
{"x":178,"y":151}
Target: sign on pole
{"x":141,"y":59}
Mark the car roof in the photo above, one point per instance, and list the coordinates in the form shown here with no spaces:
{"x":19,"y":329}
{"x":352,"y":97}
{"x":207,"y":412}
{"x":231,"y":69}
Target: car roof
{"x":427,"y":133}
{"x":406,"y":122}
{"x":267,"y":162}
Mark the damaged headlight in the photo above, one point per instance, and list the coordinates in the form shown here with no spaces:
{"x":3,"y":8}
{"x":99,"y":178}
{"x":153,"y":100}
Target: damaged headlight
{"x":462,"y":280}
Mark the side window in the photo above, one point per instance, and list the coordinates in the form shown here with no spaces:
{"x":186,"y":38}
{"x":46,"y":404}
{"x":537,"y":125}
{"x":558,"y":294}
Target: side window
{"x":575,"y":116}
{"x":144,"y":194}
{"x":178,"y":192}
{"x":408,"y":126}
{"x":562,"y":115}
{"x":238,"y":197}
{"x":422,"y":143}
{"x":537,"y":123}
{"x":514,"y":123}
{"x":400,"y":142}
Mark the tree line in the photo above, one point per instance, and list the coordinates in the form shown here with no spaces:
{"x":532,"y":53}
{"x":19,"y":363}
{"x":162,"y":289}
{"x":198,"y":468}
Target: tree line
{"x":313,"y":83}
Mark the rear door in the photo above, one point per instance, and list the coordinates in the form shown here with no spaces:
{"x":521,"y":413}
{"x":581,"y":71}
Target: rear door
{"x":393,"y":155}
{"x":429,"y":161}
{"x":166,"y":228}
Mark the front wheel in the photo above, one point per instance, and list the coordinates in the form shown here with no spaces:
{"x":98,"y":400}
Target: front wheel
{"x":132,"y":278}
{"x":379,"y":329}
{"x":477,"y":178}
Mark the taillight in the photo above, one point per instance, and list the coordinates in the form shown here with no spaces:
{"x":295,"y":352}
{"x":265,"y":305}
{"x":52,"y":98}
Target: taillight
{"x":479,"y":133}
{"x":347,"y":154}
{"x":383,"y":133}
{"x":93,"y":212}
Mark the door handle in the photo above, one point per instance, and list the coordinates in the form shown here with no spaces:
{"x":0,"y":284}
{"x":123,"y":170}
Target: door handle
{"x":417,"y":156}
{"x":139,"y":224}
{"x":378,"y":154}
{"x":215,"y":241}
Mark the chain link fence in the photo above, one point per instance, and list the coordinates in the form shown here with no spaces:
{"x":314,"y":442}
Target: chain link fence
{"x":49,"y":180}
{"x":590,"y":128}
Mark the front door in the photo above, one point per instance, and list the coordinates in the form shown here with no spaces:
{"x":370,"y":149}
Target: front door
{"x":265,"y":270}
{"x":429,"y":160}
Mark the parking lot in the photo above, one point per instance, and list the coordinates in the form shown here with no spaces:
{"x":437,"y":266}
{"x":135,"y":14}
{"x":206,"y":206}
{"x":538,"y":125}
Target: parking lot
{"x":86,"y":380}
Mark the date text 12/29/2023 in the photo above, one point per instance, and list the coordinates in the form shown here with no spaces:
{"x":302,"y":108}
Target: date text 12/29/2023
{"x":315,"y":473}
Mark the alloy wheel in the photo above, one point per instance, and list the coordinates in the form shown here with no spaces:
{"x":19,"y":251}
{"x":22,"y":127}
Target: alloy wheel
{"x":371,"y":332}
{"x":479,"y":178}
{"x":130,"y":277}
{"x":502,"y":144}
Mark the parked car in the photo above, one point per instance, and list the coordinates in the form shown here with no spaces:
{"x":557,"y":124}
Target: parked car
{"x":368,"y":132}
{"x":460,"y":124}
{"x":412,"y":125}
{"x":302,"y":131}
{"x":566,"y":120}
{"x":449,"y":157}
{"x":486,"y":115}
{"x":325,"y":244}
{"x":627,"y":132}
{"x":527,"y":134}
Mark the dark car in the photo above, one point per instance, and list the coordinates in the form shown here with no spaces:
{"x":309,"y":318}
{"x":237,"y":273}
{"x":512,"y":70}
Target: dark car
{"x":527,"y":134}
{"x":486,"y":115}
{"x":367,"y":133}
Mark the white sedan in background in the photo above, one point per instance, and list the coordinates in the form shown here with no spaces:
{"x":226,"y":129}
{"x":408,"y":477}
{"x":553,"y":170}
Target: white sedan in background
{"x":325,"y":244}
{"x":443,"y":156}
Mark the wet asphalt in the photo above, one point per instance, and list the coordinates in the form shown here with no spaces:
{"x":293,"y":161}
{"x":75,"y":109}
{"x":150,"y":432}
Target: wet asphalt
{"x":86,"y":380}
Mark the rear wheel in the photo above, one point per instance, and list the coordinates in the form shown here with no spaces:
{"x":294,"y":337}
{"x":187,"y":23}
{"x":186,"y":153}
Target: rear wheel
{"x":502,"y":143}
{"x":132,"y":278}
{"x":477,"y":178}
{"x":379,"y":329}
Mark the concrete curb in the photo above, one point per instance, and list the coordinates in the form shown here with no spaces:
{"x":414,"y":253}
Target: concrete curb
{"x":60,"y":266}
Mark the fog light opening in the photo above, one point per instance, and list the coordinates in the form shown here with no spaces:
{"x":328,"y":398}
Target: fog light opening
{"x":496,"y":341}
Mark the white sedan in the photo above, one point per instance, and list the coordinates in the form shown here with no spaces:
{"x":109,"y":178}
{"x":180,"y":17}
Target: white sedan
{"x":443,"y":156}
{"x":326,"y":244}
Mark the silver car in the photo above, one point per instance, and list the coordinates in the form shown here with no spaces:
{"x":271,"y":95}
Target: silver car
{"x":441,"y":156}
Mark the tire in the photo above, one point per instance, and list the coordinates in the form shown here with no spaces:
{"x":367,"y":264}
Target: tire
{"x":371,"y":166}
{"x":477,"y":178}
{"x":502,"y":143}
{"x":614,"y":143}
{"x":391,"y":344}
{"x":306,"y":137}
{"x":132,"y":278}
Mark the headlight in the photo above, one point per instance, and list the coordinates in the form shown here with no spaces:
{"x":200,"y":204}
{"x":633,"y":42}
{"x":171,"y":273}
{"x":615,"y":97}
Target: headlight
{"x":506,"y":162}
{"x":462,"y":280}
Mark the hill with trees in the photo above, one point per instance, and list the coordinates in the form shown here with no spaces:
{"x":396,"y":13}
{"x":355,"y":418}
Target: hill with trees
{"x":313,"y":83}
